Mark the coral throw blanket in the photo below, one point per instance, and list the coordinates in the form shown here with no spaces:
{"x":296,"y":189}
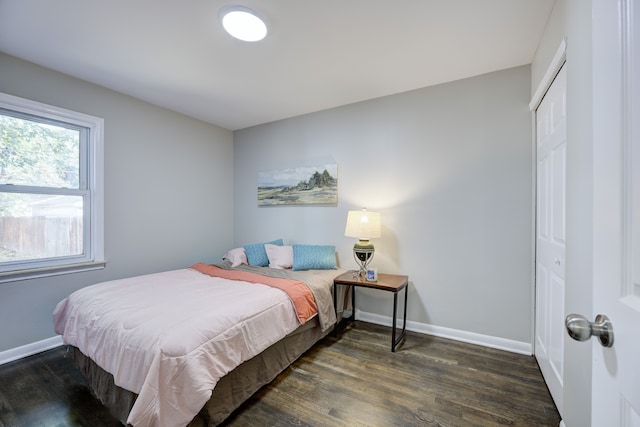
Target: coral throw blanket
{"x":298,"y":292}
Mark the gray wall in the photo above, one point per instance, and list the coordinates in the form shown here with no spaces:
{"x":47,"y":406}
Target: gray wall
{"x":572,"y":19}
{"x":450,"y":169}
{"x":168,"y":193}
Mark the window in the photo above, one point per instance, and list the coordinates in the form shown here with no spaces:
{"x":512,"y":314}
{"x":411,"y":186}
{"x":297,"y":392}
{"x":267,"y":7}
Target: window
{"x":51,"y":190}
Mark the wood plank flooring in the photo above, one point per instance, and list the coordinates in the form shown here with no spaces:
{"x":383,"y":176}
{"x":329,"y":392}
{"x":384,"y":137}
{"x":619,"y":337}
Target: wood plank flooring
{"x":353,"y":381}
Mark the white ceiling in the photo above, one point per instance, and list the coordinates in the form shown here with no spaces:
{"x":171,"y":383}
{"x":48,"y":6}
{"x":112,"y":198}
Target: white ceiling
{"x":318,"y":54}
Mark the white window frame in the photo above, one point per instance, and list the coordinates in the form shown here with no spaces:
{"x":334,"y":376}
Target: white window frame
{"x":93,"y":257}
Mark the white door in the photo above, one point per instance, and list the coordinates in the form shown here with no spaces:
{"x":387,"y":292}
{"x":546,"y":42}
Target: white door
{"x":551,"y":137}
{"x":616,"y":183}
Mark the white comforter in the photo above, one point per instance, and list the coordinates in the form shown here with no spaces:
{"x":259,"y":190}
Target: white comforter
{"x":208,"y":327}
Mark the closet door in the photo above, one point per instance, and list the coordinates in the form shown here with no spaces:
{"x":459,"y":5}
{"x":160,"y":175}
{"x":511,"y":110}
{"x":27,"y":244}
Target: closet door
{"x":550,"y":234}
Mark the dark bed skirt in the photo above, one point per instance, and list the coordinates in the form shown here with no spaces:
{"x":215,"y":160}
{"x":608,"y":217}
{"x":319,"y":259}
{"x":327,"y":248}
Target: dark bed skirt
{"x":232,"y":389}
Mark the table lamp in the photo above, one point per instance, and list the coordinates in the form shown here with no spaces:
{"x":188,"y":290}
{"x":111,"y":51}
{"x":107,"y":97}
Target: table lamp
{"x":364,"y":225}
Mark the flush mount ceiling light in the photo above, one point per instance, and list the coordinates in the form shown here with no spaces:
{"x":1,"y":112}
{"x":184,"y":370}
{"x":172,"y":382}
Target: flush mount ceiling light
{"x":243,"y":23}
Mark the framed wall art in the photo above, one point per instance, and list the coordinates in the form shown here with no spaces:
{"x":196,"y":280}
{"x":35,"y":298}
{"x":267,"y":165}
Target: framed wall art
{"x":304,"y":185}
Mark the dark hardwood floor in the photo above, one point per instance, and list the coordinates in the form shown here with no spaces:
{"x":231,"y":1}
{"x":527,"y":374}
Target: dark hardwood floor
{"x":352,"y":381}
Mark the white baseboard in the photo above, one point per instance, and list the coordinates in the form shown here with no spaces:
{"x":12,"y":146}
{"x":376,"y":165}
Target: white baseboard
{"x":30,"y":349}
{"x":454,"y":334}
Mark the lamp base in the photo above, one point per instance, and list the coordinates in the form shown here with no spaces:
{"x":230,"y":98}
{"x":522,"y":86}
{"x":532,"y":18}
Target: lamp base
{"x":363,"y":251}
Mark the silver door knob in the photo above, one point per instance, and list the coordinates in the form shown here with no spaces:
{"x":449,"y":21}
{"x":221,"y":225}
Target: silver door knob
{"x":580,"y":329}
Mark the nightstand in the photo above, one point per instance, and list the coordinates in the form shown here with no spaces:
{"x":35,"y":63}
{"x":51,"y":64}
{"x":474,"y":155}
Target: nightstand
{"x":386,"y":282}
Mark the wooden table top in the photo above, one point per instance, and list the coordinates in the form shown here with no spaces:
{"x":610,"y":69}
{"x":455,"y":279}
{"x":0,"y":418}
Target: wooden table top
{"x":387,"y":282}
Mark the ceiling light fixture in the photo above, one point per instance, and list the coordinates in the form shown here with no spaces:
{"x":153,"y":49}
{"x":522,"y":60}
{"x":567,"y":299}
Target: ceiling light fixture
{"x":243,"y":23}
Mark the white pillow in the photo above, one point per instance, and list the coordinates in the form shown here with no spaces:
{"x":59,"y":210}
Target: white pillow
{"x":280,"y":257}
{"x":237,"y":256}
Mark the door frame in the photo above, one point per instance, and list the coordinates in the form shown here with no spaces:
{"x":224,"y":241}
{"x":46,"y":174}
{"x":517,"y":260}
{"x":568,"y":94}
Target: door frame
{"x":557,"y":62}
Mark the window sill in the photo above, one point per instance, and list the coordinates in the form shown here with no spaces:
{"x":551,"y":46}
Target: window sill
{"x":35,"y":273}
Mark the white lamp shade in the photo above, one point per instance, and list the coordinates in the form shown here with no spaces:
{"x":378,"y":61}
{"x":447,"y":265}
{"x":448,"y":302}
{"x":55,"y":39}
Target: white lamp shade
{"x":363,"y":224}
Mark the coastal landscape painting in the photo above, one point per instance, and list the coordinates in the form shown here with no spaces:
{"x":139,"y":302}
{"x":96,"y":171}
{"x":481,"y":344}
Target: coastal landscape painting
{"x":304,"y":185}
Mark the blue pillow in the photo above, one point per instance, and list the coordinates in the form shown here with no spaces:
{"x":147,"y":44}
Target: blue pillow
{"x":257,"y":255}
{"x":314,"y":257}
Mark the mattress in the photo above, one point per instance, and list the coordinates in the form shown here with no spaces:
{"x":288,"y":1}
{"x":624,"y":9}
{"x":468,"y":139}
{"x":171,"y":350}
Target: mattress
{"x":169,"y":338}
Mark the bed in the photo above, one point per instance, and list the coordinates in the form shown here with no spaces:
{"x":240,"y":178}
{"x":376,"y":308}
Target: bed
{"x":187,"y":347}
